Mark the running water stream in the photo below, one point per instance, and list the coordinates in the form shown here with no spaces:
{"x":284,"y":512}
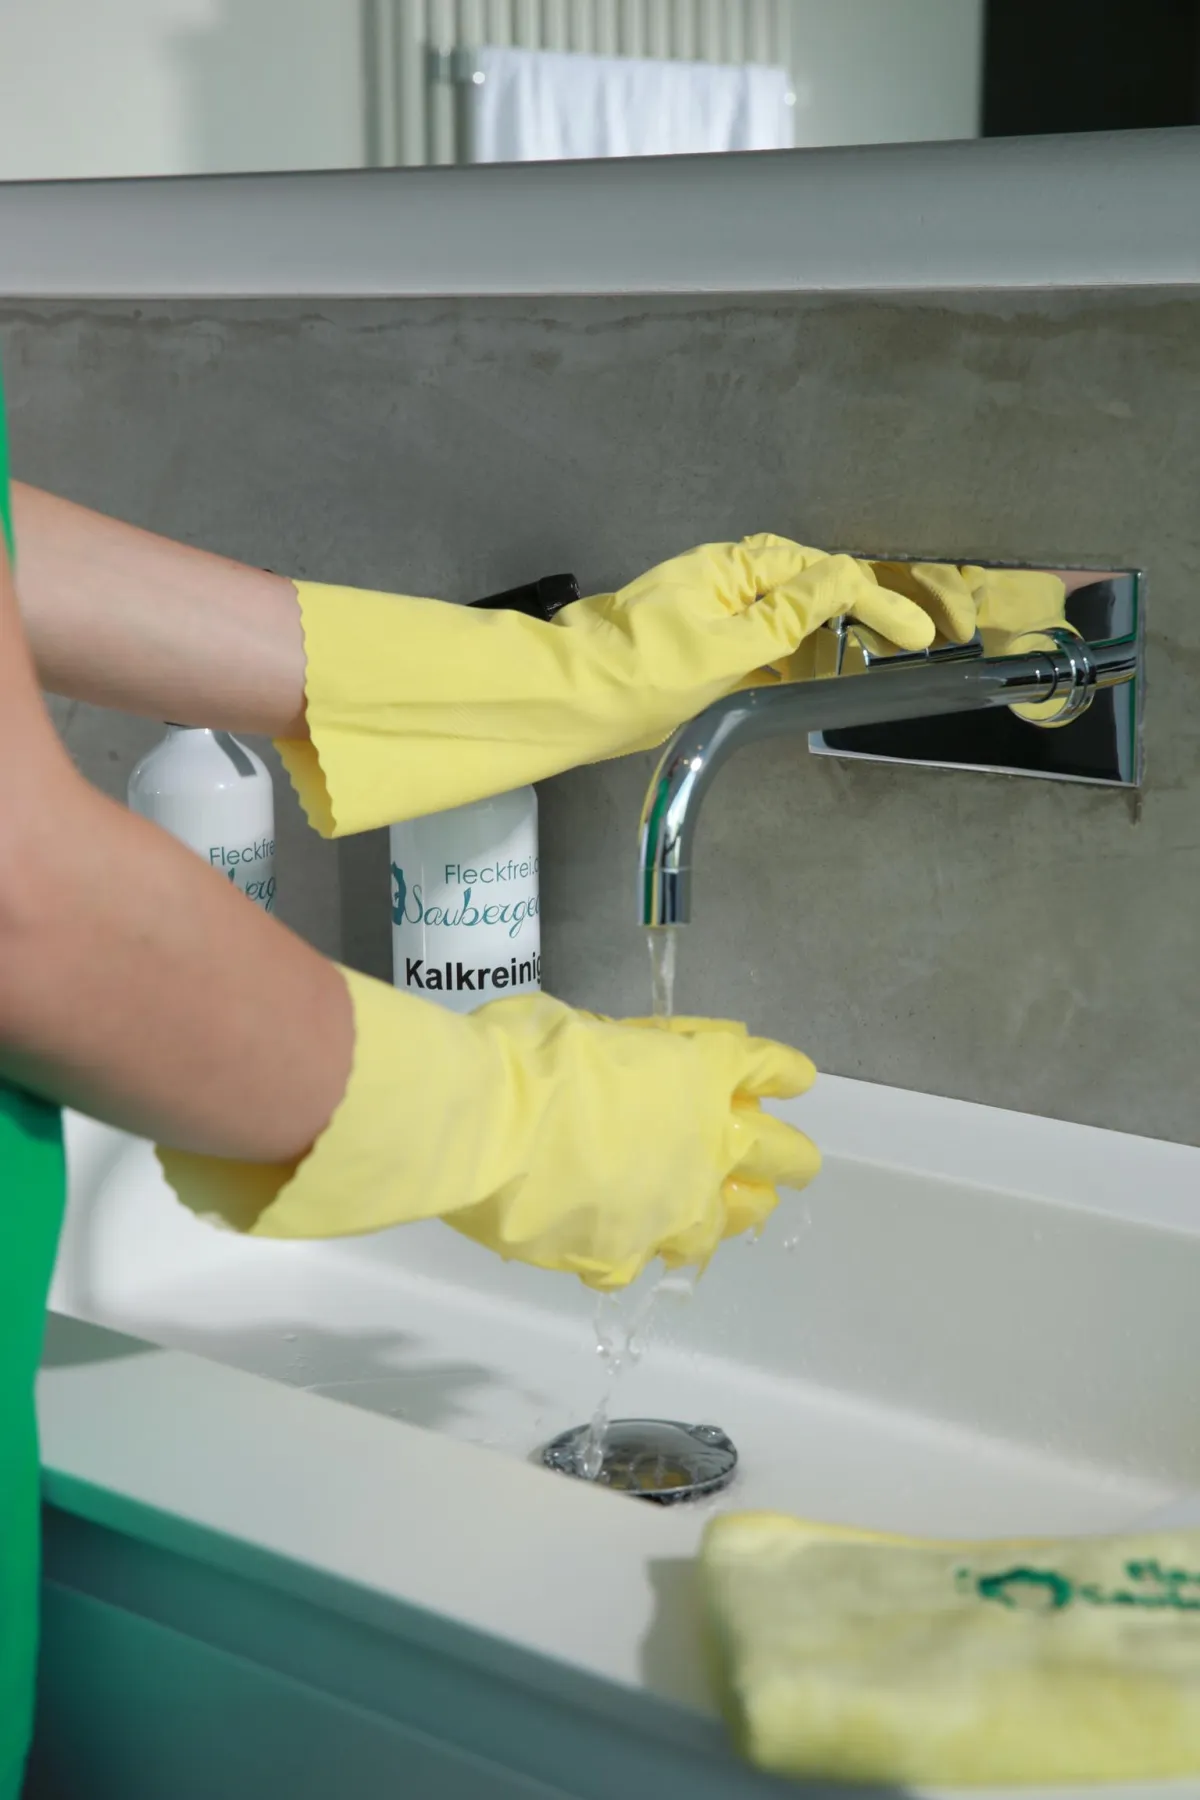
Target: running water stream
{"x":661,"y":941}
{"x":622,"y":1322}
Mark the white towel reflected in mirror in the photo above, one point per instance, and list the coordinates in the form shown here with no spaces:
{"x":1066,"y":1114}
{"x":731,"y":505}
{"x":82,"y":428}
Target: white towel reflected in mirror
{"x":551,"y":106}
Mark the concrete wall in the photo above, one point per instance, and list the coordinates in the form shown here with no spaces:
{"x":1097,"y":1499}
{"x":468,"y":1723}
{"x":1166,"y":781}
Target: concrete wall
{"x":1015,"y":942}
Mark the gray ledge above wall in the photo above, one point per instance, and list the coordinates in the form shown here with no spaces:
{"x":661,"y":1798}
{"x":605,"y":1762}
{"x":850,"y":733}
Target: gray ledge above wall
{"x":1095,"y":209}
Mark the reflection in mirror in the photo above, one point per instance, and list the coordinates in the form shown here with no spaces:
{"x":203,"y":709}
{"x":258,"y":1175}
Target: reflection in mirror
{"x":176,"y":87}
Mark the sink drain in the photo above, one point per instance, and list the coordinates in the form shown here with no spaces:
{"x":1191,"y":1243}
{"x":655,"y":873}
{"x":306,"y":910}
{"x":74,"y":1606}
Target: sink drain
{"x":656,"y":1459}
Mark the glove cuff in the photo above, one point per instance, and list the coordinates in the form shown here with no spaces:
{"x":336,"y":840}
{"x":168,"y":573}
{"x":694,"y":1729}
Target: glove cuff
{"x":369,"y":1168}
{"x":407,"y":709}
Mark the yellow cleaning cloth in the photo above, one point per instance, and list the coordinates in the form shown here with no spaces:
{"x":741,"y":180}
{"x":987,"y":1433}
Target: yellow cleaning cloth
{"x":865,"y":1658}
{"x":414,"y":706}
{"x":549,"y":1135}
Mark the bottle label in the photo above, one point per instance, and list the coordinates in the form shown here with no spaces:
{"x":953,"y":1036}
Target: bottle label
{"x":248,"y":867}
{"x":214,"y":795}
{"x":484,"y":980}
{"x":466,"y":927}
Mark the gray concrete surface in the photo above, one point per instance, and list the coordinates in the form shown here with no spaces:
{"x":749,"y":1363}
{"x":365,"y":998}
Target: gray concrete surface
{"x":1016,"y":942}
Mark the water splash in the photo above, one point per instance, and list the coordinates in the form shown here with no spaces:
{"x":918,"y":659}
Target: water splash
{"x":621,"y":1323}
{"x":797,"y":1237}
{"x":591,"y":1450}
{"x":622,"y":1326}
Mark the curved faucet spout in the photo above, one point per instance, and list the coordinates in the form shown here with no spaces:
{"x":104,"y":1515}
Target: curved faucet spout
{"x":1071,"y":672}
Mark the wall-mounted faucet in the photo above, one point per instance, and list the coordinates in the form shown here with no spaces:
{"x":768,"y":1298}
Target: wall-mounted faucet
{"x":922,"y":685}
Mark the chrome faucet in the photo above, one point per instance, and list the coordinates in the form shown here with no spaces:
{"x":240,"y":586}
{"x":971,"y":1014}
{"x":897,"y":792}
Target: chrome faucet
{"x":916,"y":685}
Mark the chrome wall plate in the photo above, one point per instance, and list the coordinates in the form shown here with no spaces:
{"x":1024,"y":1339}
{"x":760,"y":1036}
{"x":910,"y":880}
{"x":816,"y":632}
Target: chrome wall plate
{"x":1102,"y":747}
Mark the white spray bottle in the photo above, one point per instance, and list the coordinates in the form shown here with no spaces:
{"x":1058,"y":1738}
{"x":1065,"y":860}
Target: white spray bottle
{"x":214,"y":794}
{"x":466,"y":924}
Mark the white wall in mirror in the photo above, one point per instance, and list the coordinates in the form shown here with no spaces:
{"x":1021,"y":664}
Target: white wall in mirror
{"x":93,"y":88}
{"x":887,"y":71}
{"x":179,"y":87}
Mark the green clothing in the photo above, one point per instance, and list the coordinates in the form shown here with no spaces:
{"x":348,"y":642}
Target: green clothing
{"x":32,"y":1188}
{"x":32,"y":1192}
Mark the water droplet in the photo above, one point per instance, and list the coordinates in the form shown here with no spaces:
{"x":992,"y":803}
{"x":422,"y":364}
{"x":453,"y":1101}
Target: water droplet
{"x":792,"y":1243}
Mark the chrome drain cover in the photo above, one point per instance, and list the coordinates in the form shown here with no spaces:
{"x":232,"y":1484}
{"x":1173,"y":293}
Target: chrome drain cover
{"x":656,"y":1459}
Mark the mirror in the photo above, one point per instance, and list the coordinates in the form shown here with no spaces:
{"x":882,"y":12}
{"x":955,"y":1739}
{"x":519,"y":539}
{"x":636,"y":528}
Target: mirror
{"x":1102,"y":745}
{"x":187,"y":87}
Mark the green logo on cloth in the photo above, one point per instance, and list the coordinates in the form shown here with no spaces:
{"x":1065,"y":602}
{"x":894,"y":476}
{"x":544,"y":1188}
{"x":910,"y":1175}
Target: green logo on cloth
{"x":1027,"y":1589}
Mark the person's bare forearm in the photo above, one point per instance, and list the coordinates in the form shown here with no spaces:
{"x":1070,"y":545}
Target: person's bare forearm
{"x":124,"y":618}
{"x":137,"y":985}
{"x":140,"y":988}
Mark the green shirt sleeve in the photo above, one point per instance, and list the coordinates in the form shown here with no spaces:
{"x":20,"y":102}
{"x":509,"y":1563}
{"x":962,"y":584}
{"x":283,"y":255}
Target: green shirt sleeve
{"x":32,"y":1190}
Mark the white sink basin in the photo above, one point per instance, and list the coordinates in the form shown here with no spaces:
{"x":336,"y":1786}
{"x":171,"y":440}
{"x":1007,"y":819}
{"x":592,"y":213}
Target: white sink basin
{"x":975,"y":1323}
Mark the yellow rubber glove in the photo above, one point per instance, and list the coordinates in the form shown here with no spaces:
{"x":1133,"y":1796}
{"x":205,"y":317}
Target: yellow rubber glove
{"x":865,"y":1658}
{"x":548,"y":1135}
{"x":1012,"y":610}
{"x":1001,"y":604}
{"x":415,"y":706}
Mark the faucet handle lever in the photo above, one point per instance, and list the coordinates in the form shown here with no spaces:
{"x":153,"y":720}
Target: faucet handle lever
{"x":844,"y":625}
